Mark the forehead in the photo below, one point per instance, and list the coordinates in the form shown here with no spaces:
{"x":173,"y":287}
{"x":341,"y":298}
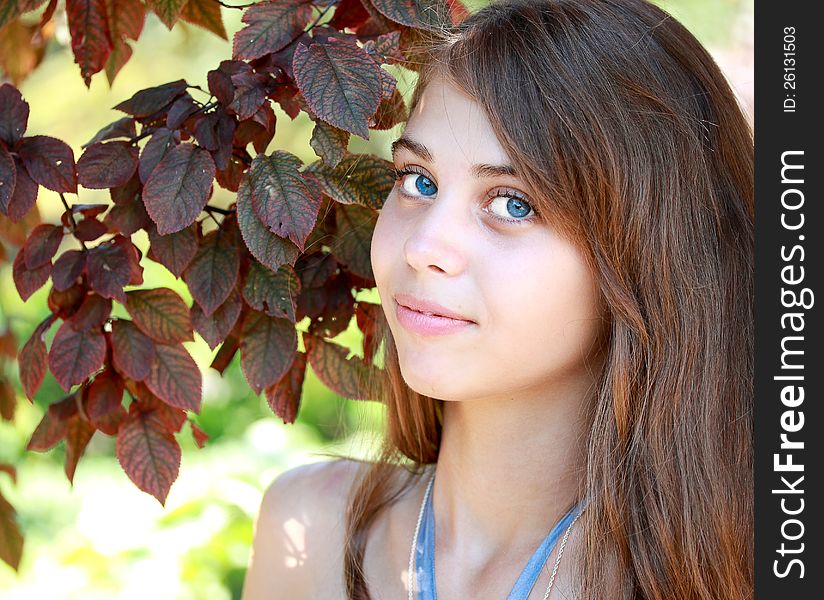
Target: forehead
{"x":453,"y":127}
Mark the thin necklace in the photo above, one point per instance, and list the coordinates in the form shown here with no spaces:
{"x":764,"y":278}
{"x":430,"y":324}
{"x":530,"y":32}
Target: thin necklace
{"x":418,"y":527}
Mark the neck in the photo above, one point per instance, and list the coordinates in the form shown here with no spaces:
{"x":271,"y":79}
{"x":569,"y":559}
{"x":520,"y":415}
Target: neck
{"x":508,"y":470}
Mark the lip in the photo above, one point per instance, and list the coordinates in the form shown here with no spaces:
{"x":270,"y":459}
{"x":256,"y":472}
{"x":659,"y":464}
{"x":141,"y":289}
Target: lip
{"x":422,"y":306}
{"x":422,"y":324}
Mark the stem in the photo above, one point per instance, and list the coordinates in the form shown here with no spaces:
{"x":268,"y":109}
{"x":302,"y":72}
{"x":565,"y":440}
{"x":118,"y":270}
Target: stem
{"x":221,"y":211}
{"x":71,"y":219}
{"x":238,"y":6}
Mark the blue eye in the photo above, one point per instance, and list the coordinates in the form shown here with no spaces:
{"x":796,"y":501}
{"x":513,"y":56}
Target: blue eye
{"x":515,"y":204}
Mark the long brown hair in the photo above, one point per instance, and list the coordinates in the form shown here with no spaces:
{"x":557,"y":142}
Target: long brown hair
{"x":623,"y":121}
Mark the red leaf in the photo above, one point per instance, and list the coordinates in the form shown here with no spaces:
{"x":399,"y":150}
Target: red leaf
{"x":284,"y":396}
{"x":205,"y":13}
{"x":11,"y":540}
{"x":174,"y":250}
{"x":358,"y":179}
{"x":33,"y":360}
{"x":122,"y":128}
{"x":340,"y":82}
{"x":42,"y":243}
{"x":272,"y":293}
{"x":167,"y":10}
{"x":175,"y":378}
{"x":105,"y":395}
{"x":108,"y":269}
{"x":347,"y":377}
{"x":159,"y":144}
{"x":64,"y":304}
{"x":8,"y":400}
{"x":181,"y":109}
{"x":213,"y":271}
{"x":267,"y":349}
{"x":107,"y":165}
{"x":250,"y":93}
{"x":52,"y":427}
{"x":74,"y":355}
{"x":89,"y":230}
{"x":199,"y":435}
{"x":91,"y":41}
{"x":220,"y":323}
{"x":432,"y":14}
{"x":132,"y":351}
{"x":178,"y":188}
{"x":78,"y":433}
{"x":50,"y":162}
{"x":24,"y":196}
{"x":173,"y":417}
{"x":8,"y":177}
{"x":14,"y":115}
{"x":270,"y":249}
{"x":27,"y":281}
{"x":161,"y":314}
{"x":126,"y":18}
{"x":149,"y":454}
{"x":282,"y":198}
{"x":128,"y":217}
{"x":149,"y":101}
{"x":67,"y":268}
{"x":92,"y":314}
{"x":270,"y":26}
{"x":353,"y":242}
{"x":367,"y":315}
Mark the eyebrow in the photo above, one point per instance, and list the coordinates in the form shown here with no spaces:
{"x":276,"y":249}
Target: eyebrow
{"x":479,"y":170}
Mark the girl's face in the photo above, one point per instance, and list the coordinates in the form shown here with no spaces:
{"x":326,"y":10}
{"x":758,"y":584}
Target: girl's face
{"x":468,"y":240}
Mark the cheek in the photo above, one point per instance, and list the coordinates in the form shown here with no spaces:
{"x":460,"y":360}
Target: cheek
{"x":384,"y":245}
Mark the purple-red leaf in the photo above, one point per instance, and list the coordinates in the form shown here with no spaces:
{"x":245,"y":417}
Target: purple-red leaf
{"x":205,"y":13}
{"x":272,"y":293}
{"x":161,"y":314}
{"x":67,"y":268}
{"x":148,"y":453}
{"x":348,"y":377}
{"x":105,"y":395}
{"x":167,"y":10}
{"x":92,"y":314}
{"x":149,"y":101}
{"x":122,"y":128}
{"x":24,"y":195}
{"x":50,"y":162}
{"x":175,"y":377}
{"x":74,"y":355}
{"x":108,"y":269}
{"x":216,"y":327}
{"x":8,"y":177}
{"x":282,"y":198}
{"x":174,"y":250}
{"x":14,"y":115}
{"x":284,"y":395}
{"x":155,"y":149}
{"x":270,"y":249}
{"x":353,"y":241}
{"x":42,"y":243}
{"x":27,"y":281}
{"x":341,"y":84}
{"x":432,"y":14}
{"x":91,"y":40}
{"x":178,"y":188}
{"x":270,"y":26}
{"x":107,"y":165}
{"x":214,"y":270}
{"x":357,"y":179}
{"x":78,"y":434}
{"x":132,"y":351}
{"x":33,"y":360}
{"x":267,"y":349}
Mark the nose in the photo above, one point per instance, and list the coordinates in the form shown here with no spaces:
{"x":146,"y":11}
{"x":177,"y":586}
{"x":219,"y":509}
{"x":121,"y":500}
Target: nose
{"x":436,"y":240}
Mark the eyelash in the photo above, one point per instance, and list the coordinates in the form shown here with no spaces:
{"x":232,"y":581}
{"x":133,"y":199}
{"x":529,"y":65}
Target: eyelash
{"x":400,"y":173}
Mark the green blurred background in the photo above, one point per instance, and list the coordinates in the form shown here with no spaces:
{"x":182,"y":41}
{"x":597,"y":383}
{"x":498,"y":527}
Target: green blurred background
{"x":104,"y":538}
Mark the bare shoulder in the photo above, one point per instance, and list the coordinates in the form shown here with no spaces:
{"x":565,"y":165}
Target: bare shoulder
{"x":297,"y":551}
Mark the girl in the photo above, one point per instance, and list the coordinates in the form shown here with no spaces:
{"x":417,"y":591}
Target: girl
{"x":565,"y":266}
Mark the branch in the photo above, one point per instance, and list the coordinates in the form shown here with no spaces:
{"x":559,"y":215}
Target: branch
{"x":71,"y":219}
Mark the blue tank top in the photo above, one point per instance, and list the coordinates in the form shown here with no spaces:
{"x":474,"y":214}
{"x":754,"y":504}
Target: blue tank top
{"x":425,"y":555}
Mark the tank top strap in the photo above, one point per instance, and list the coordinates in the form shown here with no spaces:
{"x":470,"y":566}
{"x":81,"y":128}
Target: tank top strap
{"x":425,"y":555}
